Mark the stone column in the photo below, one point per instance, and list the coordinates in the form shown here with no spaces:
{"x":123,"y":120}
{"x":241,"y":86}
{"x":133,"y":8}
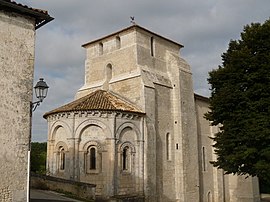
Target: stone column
{"x":50,"y":157}
{"x":150,"y":174}
{"x":218,"y":174}
{"x":109,"y":165}
{"x":139,"y":167}
{"x":77,"y":159}
{"x":71,"y":143}
{"x":185,"y":129}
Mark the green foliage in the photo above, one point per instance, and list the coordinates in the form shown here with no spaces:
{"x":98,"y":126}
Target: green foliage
{"x":240,"y":102}
{"x":38,"y":157}
{"x":264,"y":187}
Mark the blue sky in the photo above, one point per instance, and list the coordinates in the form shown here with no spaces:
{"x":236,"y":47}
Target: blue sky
{"x":203,"y":27}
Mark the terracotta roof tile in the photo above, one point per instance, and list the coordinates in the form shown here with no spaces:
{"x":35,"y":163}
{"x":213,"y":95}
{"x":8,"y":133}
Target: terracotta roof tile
{"x":97,"y":100}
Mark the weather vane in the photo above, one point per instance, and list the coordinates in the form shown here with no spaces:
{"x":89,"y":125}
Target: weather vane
{"x":132,"y":20}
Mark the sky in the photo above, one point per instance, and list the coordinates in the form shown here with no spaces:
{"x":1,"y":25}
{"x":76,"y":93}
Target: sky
{"x":204,"y":27}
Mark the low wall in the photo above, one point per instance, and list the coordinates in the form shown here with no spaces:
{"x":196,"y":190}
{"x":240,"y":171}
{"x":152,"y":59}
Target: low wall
{"x":78,"y":189}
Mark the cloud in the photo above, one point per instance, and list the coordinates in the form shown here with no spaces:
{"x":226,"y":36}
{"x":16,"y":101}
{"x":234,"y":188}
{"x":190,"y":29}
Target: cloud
{"x":203,"y":27}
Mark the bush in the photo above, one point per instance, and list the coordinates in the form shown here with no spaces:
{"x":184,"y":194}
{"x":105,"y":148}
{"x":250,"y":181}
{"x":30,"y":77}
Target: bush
{"x":38,"y":157}
{"x":264,"y":187}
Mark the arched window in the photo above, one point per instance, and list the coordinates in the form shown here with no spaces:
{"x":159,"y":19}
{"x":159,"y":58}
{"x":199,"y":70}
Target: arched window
{"x":125,"y":158}
{"x":92,"y":158}
{"x":100,"y":48}
{"x":209,"y":197}
{"x":62,"y":158}
{"x":108,"y":76}
{"x":108,"y":72}
{"x":168,"y":146}
{"x":118,"y":42}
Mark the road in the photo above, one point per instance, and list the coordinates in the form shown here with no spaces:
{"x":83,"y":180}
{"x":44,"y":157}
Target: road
{"x":37,"y":195}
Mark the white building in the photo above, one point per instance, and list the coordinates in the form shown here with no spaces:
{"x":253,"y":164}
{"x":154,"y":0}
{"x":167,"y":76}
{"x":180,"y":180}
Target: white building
{"x":18,"y":24}
{"x":136,"y":128}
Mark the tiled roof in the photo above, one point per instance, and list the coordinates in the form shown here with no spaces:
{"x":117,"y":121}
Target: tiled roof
{"x":42,"y":17}
{"x":97,"y":100}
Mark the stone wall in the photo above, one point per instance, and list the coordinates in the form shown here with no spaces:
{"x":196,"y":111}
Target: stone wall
{"x":17,"y":65}
{"x":78,"y":189}
{"x":208,"y":175}
{"x":106,"y":132}
{"x":146,"y":69}
{"x":214,"y":185}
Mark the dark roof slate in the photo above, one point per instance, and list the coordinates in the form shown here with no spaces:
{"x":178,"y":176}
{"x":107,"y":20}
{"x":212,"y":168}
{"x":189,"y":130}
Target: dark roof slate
{"x":41,"y":16}
{"x":97,"y":100}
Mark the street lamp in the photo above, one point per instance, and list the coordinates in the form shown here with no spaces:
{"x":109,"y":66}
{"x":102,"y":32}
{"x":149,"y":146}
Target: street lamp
{"x":41,"y":90}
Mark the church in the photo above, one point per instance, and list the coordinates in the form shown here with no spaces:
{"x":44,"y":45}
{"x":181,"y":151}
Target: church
{"x":136,"y":128}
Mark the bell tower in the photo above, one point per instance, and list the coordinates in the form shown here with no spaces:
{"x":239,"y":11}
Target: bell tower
{"x":146,"y":69}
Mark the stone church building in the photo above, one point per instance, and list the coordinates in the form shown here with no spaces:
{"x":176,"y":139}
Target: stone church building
{"x":136,"y":128}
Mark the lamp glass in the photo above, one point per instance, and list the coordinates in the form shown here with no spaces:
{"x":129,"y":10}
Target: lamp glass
{"x":41,"y":89}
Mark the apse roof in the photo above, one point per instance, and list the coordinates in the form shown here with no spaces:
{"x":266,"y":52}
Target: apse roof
{"x":98,"y":100}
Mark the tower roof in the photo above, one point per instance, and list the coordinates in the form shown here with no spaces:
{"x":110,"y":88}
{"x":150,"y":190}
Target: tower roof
{"x":134,"y":27}
{"x":97,"y":100}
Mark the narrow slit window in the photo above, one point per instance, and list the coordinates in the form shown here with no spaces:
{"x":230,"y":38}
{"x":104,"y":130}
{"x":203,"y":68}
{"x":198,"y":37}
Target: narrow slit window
{"x":92,"y":158}
{"x":168,"y":146}
{"x":152,"y":46}
{"x":108,"y":76}
{"x":125,"y":158}
{"x":203,"y":159}
{"x":108,"y":72}
{"x":100,"y":48}
{"x":62,"y":159}
{"x":118,"y":42}
{"x":209,"y":197}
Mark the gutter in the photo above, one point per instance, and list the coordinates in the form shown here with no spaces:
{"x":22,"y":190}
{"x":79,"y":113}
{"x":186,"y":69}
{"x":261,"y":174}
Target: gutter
{"x":41,"y":17}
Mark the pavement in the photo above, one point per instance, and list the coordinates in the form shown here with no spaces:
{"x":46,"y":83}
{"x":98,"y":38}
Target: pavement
{"x":37,"y":195}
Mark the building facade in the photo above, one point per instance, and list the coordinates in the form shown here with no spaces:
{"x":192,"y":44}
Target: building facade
{"x":17,"y":38}
{"x":136,"y":128}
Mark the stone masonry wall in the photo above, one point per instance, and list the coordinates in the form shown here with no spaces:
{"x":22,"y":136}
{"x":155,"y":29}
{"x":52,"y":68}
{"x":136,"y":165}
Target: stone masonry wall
{"x":17,"y":64}
{"x":147,"y":70}
{"x":78,"y":189}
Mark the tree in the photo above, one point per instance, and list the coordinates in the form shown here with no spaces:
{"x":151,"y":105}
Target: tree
{"x":240,"y":104}
{"x":38,"y":157}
